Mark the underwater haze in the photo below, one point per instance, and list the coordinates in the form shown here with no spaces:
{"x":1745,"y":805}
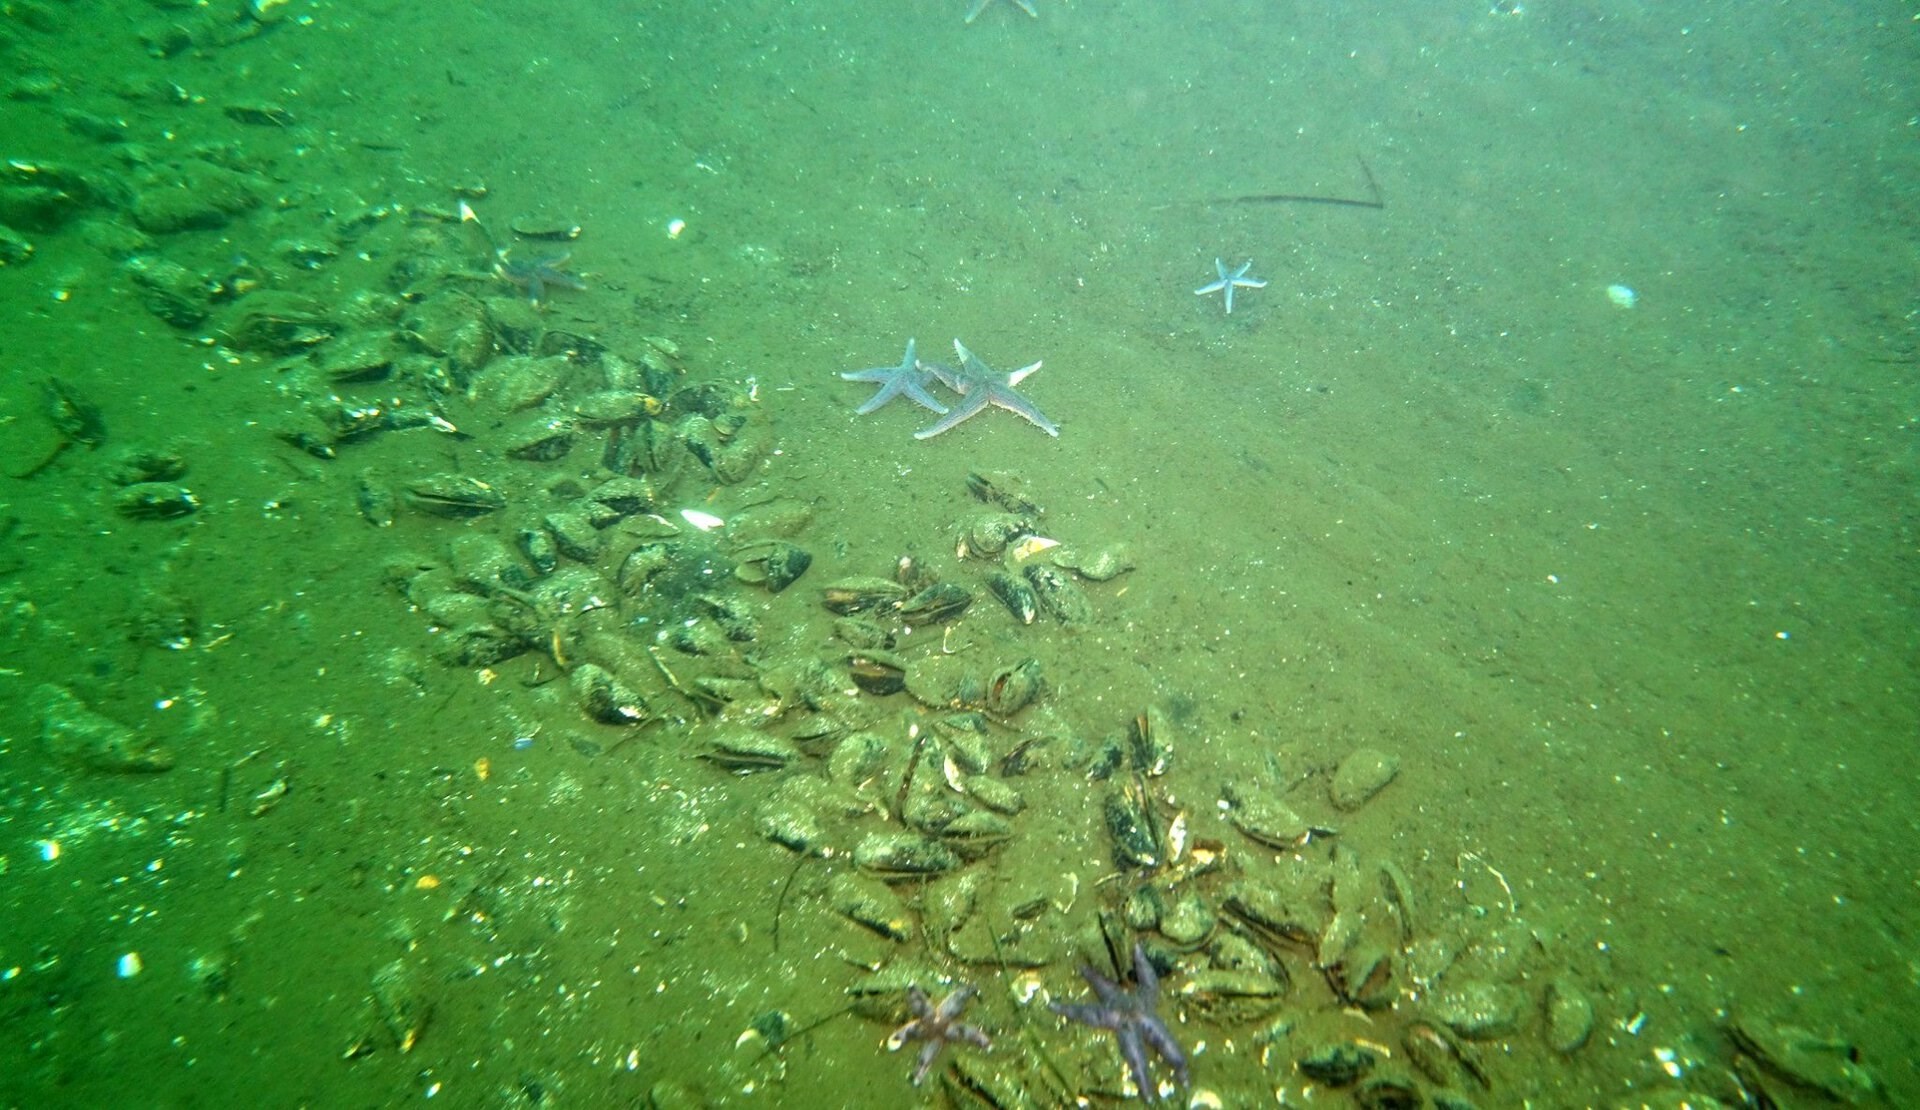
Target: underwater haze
{"x":1439,"y":625}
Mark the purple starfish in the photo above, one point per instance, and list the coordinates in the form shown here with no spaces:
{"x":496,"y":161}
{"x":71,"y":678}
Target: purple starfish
{"x":979,"y":385}
{"x":1129,"y":1014}
{"x":939,"y":1026}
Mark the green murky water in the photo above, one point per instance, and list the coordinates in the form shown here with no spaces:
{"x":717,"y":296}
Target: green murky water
{"x":1629,"y":593}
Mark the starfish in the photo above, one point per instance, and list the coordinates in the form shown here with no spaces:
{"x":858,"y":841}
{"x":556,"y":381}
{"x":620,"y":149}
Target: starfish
{"x":1130,"y":1016}
{"x":1229,"y":282}
{"x":909,"y":379}
{"x":981,"y":5}
{"x":535,"y":274}
{"x":938,"y":1026}
{"x":979,"y":386}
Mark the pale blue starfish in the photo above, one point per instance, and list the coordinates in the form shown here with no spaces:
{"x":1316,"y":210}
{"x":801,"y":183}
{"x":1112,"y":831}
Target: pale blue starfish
{"x":979,"y":386}
{"x":981,"y":5}
{"x":909,"y":378}
{"x":1230,"y":281}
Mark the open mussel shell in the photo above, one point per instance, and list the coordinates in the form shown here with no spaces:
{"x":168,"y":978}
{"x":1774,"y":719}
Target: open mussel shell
{"x":986,"y":535}
{"x":775,"y":564}
{"x":1011,"y":689}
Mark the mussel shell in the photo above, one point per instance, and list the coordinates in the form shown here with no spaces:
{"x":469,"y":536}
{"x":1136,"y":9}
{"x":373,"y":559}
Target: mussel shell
{"x":610,"y":407}
{"x":860,"y":593}
{"x":454,"y":496}
{"x":155,"y":501}
{"x":537,"y":438}
{"x":1338,"y":1064}
{"x":1095,"y":564}
{"x":1003,"y":488}
{"x":986,"y":535}
{"x":1057,"y":595}
{"x":365,"y":357}
{"x":541,"y":552}
{"x":746,"y":750}
{"x":1388,"y":1092}
{"x":942,"y":601}
{"x":775,"y":564}
{"x":903,"y":855}
{"x":574,"y":534}
{"x":545,"y":226}
{"x":605,"y":698}
{"x":1363,"y":976}
{"x":877,"y":672}
{"x":785,"y":564}
{"x":1011,"y":689}
{"x":148,"y":464}
{"x":1135,"y":846}
{"x":1016,"y":594}
{"x":618,"y":498}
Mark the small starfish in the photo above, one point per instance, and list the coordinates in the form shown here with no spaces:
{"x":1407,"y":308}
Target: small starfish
{"x":979,"y":386}
{"x":1129,"y":1015}
{"x":909,"y":379}
{"x":535,"y":274}
{"x":939,"y":1026}
{"x":1230,"y":281}
{"x":981,"y":5}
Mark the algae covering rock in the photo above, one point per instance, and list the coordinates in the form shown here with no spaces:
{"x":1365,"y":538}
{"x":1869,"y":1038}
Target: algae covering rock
{"x":76,"y":734}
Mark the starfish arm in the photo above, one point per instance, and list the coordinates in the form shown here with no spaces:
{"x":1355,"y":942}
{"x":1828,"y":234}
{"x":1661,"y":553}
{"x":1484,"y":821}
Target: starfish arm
{"x":1146,"y":978}
{"x":978,"y":7}
{"x":952,"y":1004}
{"x":918,"y":392}
{"x":969,"y":405}
{"x":1156,"y":1034}
{"x":927,"y":1056}
{"x":973,"y":1035}
{"x":1105,"y":989}
{"x":880,"y":397}
{"x":1222,"y":282}
{"x":1023,"y":408}
{"x":945,"y":375}
{"x":898,"y":1039}
{"x":1027,"y":6}
{"x":1135,"y":1055}
{"x":1088,"y":1013}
